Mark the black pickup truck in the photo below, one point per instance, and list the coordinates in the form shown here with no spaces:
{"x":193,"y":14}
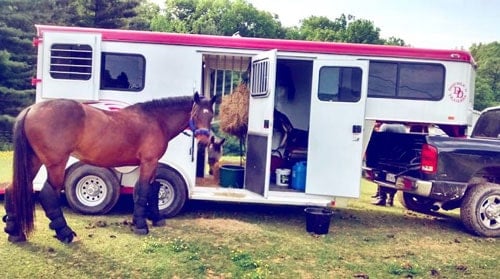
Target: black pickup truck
{"x":441,"y":172}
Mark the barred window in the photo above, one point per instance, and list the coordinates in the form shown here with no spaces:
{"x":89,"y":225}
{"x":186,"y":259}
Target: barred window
{"x":260,"y":82}
{"x":71,"y":61}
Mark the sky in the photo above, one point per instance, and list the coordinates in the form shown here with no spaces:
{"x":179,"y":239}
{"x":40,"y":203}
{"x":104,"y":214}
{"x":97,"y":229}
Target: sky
{"x":442,"y":24}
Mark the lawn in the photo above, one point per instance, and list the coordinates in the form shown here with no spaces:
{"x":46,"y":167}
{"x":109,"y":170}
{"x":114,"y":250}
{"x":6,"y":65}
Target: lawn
{"x":222,"y":240}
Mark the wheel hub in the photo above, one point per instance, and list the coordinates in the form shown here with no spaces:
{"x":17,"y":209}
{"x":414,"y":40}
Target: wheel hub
{"x":492,"y":211}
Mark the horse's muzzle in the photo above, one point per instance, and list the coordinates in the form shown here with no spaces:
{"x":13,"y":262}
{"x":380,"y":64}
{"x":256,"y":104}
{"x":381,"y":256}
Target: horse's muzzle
{"x":203,"y":139}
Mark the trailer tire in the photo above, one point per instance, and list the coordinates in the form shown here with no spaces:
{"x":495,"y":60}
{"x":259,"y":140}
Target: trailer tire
{"x":416,"y":203}
{"x":480,"y":210}
{"x":173,"y":191}
{"x":91,"y":190}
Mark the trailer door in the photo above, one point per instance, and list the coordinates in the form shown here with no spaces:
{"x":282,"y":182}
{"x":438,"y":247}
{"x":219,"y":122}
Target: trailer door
{"x":335,"y":135}
{"x":70,"y":65}
{"x":260,"y":127}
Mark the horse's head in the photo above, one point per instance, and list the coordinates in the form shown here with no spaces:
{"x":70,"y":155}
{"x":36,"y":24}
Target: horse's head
{"x":214,"y":149}
{"x":201,"y":118}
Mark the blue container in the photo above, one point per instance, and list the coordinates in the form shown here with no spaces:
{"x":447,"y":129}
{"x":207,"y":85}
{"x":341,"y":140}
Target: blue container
{"x":299,"y":176}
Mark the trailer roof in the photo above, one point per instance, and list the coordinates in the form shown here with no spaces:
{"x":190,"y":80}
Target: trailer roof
{"x":266,"y":44}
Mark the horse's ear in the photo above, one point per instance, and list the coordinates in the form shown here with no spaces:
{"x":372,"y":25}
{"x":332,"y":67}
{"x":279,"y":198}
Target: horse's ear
{"x":214,"y":98}
{"x":196,"y":97}
{"x":212,"y":139}
{"x":222,"y":141}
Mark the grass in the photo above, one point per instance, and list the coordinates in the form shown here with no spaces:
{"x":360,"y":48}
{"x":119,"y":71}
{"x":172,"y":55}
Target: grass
{"x":5,"y":166}
{"x":221,"y":240}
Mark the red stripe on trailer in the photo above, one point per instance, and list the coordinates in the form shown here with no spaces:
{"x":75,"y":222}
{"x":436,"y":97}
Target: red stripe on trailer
{"x":266,"y":44}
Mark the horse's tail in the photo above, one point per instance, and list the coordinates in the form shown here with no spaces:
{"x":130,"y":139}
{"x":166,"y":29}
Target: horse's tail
{"x":22,"y":184}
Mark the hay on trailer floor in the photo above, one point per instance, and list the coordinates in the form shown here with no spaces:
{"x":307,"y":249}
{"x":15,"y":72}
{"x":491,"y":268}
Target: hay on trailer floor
{"x":234,"y":112}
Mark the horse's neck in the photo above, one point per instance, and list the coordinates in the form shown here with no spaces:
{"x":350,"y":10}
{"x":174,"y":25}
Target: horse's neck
{"x":173,"y":123}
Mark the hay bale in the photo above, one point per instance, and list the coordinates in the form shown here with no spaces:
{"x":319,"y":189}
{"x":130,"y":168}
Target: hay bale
{"x":234,"y":111}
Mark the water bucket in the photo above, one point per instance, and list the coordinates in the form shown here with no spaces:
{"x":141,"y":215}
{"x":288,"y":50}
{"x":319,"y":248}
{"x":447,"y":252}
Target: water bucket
{"x":231,"y":176}
{"x":282,"y":177}
{"x":299,"y":176}
{"x":318,"y":220}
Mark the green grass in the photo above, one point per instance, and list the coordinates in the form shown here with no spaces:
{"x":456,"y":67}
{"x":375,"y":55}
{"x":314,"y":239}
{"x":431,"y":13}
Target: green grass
{"x":5,"y":166}
{"x":221,"y":240}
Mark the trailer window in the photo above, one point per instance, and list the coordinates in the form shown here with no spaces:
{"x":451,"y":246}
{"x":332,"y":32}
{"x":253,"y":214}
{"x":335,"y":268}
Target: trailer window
{"x":260,"y":83}
{"x":124,"y":72}
{"x":403,"y":80}
{"x":339,"y":84}
{"x":71,"y":61}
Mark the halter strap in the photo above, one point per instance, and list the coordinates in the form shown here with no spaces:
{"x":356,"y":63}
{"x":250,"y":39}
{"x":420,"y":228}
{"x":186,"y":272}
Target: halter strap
{"x":199,"y":131}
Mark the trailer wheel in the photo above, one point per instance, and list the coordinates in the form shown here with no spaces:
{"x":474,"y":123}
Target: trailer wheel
{"x":416,"y":203}
{"x":90,"y":189}
{"x":173,"y":191}
{"x":480,"y":210}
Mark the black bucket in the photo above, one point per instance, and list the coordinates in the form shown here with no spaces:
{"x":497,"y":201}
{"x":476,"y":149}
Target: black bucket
{"x":318,"y":220}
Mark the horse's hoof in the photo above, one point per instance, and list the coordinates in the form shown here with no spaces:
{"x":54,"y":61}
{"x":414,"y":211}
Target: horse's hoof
{"x":141,"y":231}
{"x":160,"y":223}
{"x":66,"y":235}
{"x":17,"y":238}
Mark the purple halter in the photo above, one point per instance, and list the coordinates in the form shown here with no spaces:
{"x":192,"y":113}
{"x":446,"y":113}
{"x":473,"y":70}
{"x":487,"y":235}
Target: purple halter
{"x":199,"y":131}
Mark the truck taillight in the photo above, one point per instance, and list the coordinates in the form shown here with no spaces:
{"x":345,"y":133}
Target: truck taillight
{"x":429,"y":159}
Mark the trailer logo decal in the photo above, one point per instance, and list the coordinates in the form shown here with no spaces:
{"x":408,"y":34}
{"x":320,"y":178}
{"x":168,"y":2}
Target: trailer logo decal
{"x":457,"y":92}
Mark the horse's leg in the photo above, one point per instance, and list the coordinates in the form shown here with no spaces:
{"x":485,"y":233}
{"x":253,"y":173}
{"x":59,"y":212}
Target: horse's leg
{"x":49,"y":199}
{"x":12,"y":226}
{"x":141,"y":195}
{"x":154,"y":211}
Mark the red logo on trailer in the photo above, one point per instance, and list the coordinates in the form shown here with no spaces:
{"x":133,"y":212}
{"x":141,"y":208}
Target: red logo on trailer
{"x":457,"y":92}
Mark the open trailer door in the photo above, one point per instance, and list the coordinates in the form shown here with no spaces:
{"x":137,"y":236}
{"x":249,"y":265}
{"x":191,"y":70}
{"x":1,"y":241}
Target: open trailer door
{"x":335,"y":135}
{"x":260,"y":126}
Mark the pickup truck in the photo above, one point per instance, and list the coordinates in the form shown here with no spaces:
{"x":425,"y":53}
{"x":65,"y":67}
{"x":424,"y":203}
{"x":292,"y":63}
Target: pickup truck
{"x":435,"y":172}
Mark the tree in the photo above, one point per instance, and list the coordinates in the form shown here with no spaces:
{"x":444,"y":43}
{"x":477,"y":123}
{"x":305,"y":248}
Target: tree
{"x":487,"y":88}
{"x":217,"y":17}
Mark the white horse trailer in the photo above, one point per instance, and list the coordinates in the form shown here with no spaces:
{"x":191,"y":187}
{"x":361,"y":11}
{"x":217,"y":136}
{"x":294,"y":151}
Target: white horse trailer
{"x":333,"y":92}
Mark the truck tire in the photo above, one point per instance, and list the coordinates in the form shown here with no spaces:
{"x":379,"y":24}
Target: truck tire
{"x":90,"y":189}
{"x":416,"y":203}
{"x":480,"y":210}
{"x":173,"y":191}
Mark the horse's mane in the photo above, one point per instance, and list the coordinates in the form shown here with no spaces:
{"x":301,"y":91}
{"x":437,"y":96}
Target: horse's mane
{"x":171,"y":102}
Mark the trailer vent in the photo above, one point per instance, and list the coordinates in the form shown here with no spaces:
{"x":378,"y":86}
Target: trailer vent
{"x":260,"y":74}
{"x":71,"y":61}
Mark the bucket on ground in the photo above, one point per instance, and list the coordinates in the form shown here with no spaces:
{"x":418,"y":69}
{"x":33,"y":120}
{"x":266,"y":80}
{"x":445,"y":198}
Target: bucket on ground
{"x":318,"y":220}
{"x":299,"y":176}
{"x":231,"y":176}
{"x":283,"y":177}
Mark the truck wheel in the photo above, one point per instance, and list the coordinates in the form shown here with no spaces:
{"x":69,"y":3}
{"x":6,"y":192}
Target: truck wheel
{"x":90,"y":189}
{"x":173,"y":191}
{"x":416,"y":203}
{"x":480,"y":210}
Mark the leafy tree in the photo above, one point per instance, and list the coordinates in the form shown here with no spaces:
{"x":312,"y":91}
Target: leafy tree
{"x":487,"y":88}
{"x":217,"y":17}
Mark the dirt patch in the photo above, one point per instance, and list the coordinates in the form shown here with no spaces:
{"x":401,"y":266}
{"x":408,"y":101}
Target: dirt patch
{"x":226,"y":225}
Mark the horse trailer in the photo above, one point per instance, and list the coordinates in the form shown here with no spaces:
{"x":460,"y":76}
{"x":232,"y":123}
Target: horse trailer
{"x":334,"y":94}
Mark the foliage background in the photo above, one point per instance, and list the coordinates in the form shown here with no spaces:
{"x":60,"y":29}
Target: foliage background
{"x":218,"y":17}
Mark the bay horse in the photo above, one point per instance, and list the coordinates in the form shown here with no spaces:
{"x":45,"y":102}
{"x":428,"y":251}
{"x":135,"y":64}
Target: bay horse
{"x":48,"y":133}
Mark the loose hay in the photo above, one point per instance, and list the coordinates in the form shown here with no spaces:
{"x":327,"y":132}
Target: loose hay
{"x":234,"y":111}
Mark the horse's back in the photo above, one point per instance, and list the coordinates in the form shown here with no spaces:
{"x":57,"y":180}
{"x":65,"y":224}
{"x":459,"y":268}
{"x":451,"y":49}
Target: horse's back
{"x":54,"y":125}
